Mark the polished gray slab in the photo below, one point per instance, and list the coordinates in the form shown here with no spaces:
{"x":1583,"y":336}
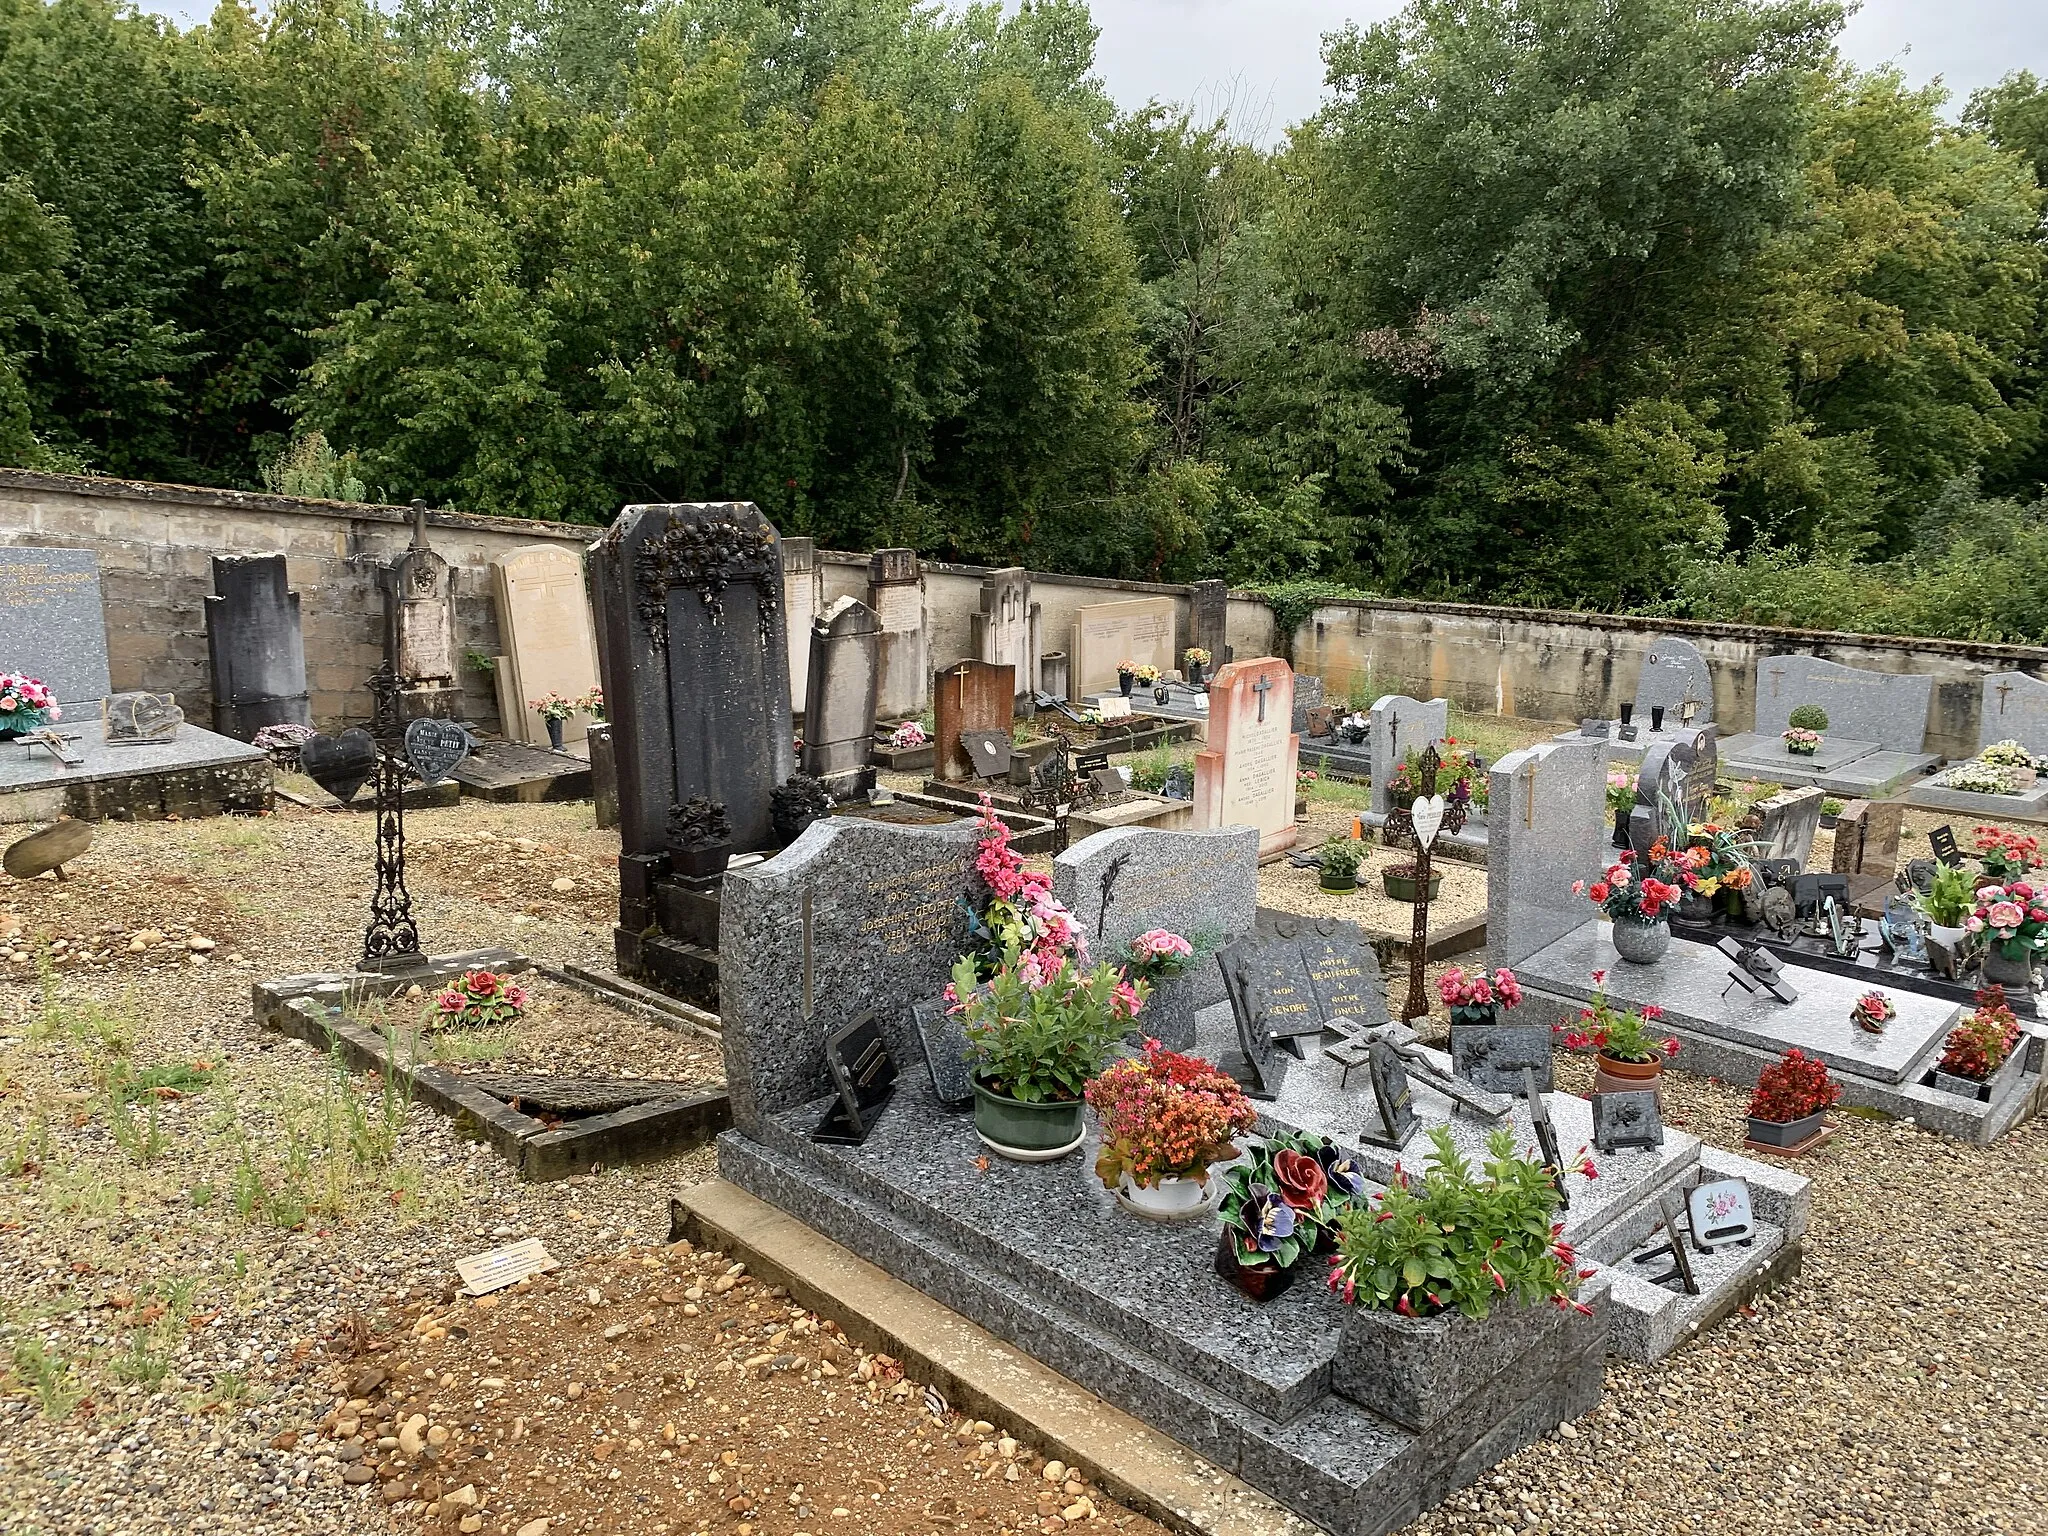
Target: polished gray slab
{"x":193,"y":747}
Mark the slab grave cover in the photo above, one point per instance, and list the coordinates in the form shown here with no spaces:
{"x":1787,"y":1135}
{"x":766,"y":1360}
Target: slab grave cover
{"x":2014,"y":708}
{"x":1247,"y":774}
{"x":1688,"y":984}
{"x":255,"y":647}
{"x":1675,"y":675}
{"x":1790,"y":819}
{"x":1203,"y":886}
{"x":799,"y":608}
{"x":420,"y":614}
{"x":1400,"y":725}
{"x":969,"y":696}
{"x":52,"y":625}
{"x":545,"y":630}
{"x":853,"y":915}
{"x":1006,"y":626}
{"x":844,"y":664}
{"x":1138,"y":629}
{"x":1548,"y":827}
{"x":697,"y":690}
{"x":896,"y":593}
{"x":1887,"y":708}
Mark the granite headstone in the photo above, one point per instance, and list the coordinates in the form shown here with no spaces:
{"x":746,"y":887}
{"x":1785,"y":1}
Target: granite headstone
{"x":1790,"y":819}
{"x":1888,"y":708}
{"x":1546,"y":829}
{"x":844,"y":662}
{"x":1209,"y":619}
{"x":896,"y":593}
{"x":255,"y":647}
{"x":52,"y":626}
{"x":2014,"y":708}
{"x":1675,"y":678}
{"x":1398,"y":725}
{"x":1308,"y":695}
{"x":799,"y":608}
{"x":1677,"y":774}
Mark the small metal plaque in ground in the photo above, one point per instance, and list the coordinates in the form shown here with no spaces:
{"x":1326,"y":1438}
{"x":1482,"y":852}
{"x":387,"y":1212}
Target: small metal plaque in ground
{"x":542,"y":1094}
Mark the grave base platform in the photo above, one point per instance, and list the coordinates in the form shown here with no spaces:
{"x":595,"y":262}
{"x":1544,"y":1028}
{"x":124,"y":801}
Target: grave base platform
{"x":675,"y":966}
{"x":1736,"y":1037}
{"x":1337,"y":759}
{"x":2028,"y":805}
{"x":511,"y":771}
{"x":1859,"y":770}
{"x":196,"y":773}
{"x":1620,"y":751}
{"x":1041,"y":1256}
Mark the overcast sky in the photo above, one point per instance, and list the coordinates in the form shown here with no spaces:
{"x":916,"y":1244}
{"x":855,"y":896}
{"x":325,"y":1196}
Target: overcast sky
{"x":1261,"y":56}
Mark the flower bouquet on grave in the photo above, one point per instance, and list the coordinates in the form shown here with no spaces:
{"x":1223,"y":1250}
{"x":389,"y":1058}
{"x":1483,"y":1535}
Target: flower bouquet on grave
{"x":699,"y":837}
{"x":2006,"y":856}
{"x":1788,"y":1110}
{"x":1126,"y":674}
{"x":1805,"y":725}
{"x":2014,"y":922}
{"x":2011,"y":758}
{"x":907,"y":735}
{"x":1478,"y":998}
{"x":1981,"y":778}
{"x":1873,"y":1011}
{"x":1284,"y":1202}
{"x":1009,"y":906}
{"x":1720,"y":864}
{"x":554,"y":710}
{"x":592,"y":704}
{"x":1636,"y":897}
{"x":1628,"y":1055}
{"x":1802,"y":743}
{"x":1165,"y":1118}
{"x":478,"y":999}
{"x":1146,"y":675}
{"x":26,"y":704}
{"x":1193,"y":660}
{"x":1977,"y":1047}
{"x":1157,"y":955}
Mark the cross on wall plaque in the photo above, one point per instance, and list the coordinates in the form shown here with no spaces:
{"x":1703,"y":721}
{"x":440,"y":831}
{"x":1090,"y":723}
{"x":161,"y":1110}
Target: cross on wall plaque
{"x":1262,"y":687}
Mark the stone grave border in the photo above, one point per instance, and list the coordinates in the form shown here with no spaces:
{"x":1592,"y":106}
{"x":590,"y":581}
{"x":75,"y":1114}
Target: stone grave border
{"x":307,"y":1008}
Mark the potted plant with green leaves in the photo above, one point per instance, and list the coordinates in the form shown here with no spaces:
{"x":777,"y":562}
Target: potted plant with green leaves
{"x":1804,"y":728}
{"x":1478,"y":998}
{"x":1165,"y":1119}
{"x":1037,"y":1031}
{"x":26,"y":704}
{"x":1164,"y":961}
{"x":1621,"y":802}
{"x":1338,"y":861}
{"x":1403,"y":883}
{"x":1948,"y":902}
{"x":1830,"y":814}
{"x":1978,"y":1046}
{"x":1628,"y":1053}
{"x":2006,"y":855}
{"x":1447,"y":1274}
{"x":1788,"y":1111}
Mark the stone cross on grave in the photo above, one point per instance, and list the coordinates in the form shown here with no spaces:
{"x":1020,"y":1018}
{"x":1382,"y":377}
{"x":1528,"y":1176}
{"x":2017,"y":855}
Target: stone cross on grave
{"x":419,"y":524}
{"x":1262,"y":687}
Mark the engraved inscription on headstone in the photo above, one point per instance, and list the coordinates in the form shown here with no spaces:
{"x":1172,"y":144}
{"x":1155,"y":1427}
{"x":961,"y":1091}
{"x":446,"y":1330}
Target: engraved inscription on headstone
{"x":434,"y":748}
{"x":51,"y":624}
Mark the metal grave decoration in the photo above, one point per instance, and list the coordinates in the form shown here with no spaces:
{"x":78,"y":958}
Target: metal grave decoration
{"x":1670,"y":1248}
{"x":1546,"y":1137}
{"x":1756,"y":970}
{"x":1627,"y":1121}
{"x":435,"y":748}
{"x":1393,"y":1100}
{"x":342,"y":764}
{"x":1721,"y":1214}
{"x":392,"y":939}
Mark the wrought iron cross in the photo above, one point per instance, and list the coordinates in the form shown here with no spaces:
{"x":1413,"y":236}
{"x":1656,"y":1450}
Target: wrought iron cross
{"x":2003,"y":690}
{"x":392,"y":940}
{"x":1418,"y":938}
{"x":1262,"y":687}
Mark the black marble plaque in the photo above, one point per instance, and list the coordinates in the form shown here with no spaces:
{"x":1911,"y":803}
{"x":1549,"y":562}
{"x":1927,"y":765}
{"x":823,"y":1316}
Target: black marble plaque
{"x":1624,"y":1122}
{"x":342,"y":764}
{"x":1260,"y":1067}
{"x":945,"y":1051}
{"x":434,"y":748}
{"x":1276,"y":982}
{"x":864,"y":1074}
{"x":989,"y":751}
{"x":1343,"y":973}
{"x":1546,"y":1137}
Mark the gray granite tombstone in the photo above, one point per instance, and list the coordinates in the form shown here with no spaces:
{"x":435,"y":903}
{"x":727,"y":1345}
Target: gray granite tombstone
{"x":139,"y":719}
{"x":52,"y":625}
{"x":2014,"y":708}
{"x":1308,"y":695}
{"x":1400,"y":725}
{"x":855,"y":914}
{"x":1674,"y":678}
{"x":1546,"y":829}
{"x":1888,"y":708}
{"x":1677,"y":774}
{"x":839,"y":716}
{"x":1790,"y":819}
{"x":256,"y":650}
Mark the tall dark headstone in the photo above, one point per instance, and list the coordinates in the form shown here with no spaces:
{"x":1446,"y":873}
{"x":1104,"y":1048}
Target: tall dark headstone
{"x":696,"y":683}
{"x":257,"y":650}
{"x":839,"y":718}
{"x":1209,"y":619}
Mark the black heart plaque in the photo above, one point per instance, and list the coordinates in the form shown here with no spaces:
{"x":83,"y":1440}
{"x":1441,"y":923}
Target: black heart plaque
{"x":342,"y":764}
{"x":434,"y":747}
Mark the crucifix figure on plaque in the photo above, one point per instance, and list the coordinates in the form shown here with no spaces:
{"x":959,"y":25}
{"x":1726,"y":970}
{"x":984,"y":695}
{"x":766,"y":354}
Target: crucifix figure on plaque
{"x":1262,"y":687}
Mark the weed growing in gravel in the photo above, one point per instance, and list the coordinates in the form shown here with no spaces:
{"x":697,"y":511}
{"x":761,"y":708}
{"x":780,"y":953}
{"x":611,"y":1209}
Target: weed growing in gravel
{"x":146,"y":1363}
{"x":137,"y":1135}
{"x":466,"y":1045}
{"x":30,"y":1148}
{"x":47,"y":1375}
{"x":89,"y":1024}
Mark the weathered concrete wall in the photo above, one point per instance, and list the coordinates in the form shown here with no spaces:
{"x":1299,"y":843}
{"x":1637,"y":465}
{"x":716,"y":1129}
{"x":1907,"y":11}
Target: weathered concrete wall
{"x":1565,"y":666}
{"x":156,"y":545}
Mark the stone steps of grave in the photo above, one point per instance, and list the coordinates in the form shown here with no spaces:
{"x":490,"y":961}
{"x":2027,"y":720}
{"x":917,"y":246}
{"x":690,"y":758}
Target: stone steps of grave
{"x":1647,"y":1321}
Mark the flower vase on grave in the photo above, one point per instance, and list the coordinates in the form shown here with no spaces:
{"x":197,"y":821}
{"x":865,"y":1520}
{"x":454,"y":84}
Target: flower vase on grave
{"x":554,"y":734}
{"x":1621,"y":829}
{"x":2004,"y":971}
{"x":21,"y":722}
{"x":1124,"y":681}
{"x":1641,"y":943}
{"x":1656,"y":717}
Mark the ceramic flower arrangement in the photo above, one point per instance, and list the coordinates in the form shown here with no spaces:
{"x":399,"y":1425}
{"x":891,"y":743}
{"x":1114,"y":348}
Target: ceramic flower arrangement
{"x":1873,"y":1011}
{"x":1478,"y":998}
{"x":26,"y":704}
{"x":1627,"y":893}
{"x":1157,"y":954}
{"x":907,"y":735}
{"x":482,"y":998}
{"x":1284,"y":1202}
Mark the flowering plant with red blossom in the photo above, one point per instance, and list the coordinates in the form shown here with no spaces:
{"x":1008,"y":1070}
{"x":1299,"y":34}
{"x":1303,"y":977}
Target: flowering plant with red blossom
{"x":1622,"y":1033}
{"x":2015,"y":917}
{"x":1473,"y":998}
{"x":1311,"y":1177}
{"x":1629,"y":891}
{"x":1980,"y":1044}
{"x":1011,"y":904}
{"x":1165,"y":1115}
{"x":1038,"y":1029}
{"x":1453,"y":1241}
{"x":1792,"y":1088}
{"x":479,"y":997}
{"x":1873,"y":1011}
{"x":2006,"y":855}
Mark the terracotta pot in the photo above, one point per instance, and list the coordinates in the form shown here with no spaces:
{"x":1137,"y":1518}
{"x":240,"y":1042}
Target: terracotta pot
{"x":1261,"y":1282}
{"x":1613,"y":1075}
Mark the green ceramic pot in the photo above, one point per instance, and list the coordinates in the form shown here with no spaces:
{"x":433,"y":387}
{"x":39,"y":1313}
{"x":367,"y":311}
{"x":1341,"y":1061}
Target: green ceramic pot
{"x":1404,"y":888}
{"x":1031,"y":1133}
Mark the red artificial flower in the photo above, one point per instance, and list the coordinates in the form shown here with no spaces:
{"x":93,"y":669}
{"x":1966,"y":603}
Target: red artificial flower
{"x":1301,"y":1179}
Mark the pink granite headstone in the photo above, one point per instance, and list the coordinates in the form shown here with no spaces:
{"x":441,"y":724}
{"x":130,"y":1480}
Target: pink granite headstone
{"x":1246,"y":776}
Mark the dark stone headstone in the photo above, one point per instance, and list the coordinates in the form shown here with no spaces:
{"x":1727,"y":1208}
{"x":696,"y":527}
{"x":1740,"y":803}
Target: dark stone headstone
{"x":138,"y":719}
{"x":839,"y":708}
{"x":1308,"y":695}
{"x":257,"y":652}
{"x":695,"y":666}
{"x":1209,"y":620}
{"x":1344,"y":972}
{"x":1273,"y":980}
{"x":1675,"y":774}
{"x":342,"y":764}
{"x":52,"y":626}
{"x":604,"y":776}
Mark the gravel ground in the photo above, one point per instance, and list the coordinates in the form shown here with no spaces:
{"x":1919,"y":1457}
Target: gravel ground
{"x":186,"y":1312}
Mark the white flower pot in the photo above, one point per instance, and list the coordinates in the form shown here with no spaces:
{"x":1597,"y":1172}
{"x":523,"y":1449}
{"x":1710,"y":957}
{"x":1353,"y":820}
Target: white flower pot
{"x":1945,"y":934}
{"x":1169,"y":1199}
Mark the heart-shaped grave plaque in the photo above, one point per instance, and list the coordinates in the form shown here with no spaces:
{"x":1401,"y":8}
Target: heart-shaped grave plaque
{"x":342,"y":764}
{"x":1428,"y":815}
{"x":434,"y":747}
